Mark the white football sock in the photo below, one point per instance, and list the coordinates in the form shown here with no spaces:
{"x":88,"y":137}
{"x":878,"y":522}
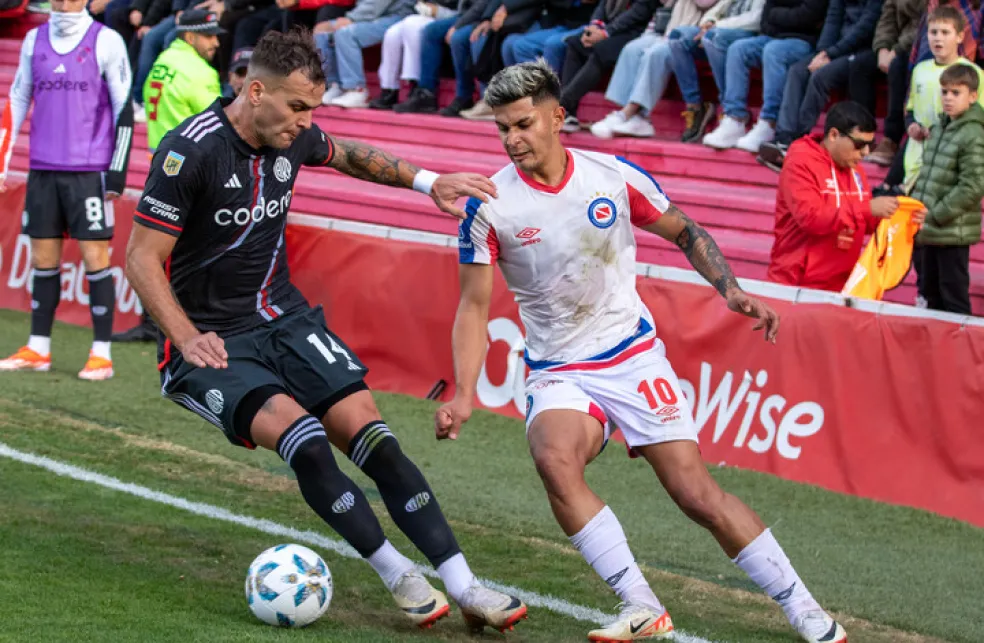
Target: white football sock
{"x":101,"y":349}
{"x":40,"y":345}
{"x":456,"y":575}
{"x":390,"y":564}
{"x":602,"y":543}
{"x":765,"y":563}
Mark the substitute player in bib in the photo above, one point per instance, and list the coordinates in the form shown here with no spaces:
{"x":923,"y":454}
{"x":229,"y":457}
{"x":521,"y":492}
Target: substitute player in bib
{"x":561,"y":231}
{"x":76,"y":72}
{"x":245,"y":351}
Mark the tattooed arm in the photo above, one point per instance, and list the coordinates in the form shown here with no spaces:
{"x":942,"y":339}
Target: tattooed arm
{"x":699,"y":247}
{"x":373,"y":164}
{"x":706,"y":257}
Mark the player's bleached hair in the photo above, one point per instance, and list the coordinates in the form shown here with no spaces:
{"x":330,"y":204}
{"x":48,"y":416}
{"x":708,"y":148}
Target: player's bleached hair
{"x":281,"y":54}
{"x":534,"y":80}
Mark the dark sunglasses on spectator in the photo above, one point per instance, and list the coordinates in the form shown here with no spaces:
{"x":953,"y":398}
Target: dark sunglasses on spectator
{"x":858,"y":143}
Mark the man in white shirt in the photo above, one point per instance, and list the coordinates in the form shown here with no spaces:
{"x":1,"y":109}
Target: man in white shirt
{"x":561,"y":230}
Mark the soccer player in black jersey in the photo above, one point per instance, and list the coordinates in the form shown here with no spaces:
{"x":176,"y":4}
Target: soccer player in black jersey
{"x":242,"y":347}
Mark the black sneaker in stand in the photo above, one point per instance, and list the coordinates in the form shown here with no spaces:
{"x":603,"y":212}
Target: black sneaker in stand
{"x":386,"y":100}
{"x":421,"y":101}
{"x":457,"y":106}
{"x":772,"y":155}
{"x":696,"y":120}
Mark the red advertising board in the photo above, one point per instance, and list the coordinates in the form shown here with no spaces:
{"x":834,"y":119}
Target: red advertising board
{"x":878,"y":406}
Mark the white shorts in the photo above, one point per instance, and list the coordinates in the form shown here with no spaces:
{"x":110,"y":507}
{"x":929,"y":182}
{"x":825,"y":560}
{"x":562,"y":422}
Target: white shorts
{"x":636,"y":391}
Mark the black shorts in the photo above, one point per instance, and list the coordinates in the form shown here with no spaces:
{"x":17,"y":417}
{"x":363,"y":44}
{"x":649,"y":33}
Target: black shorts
{"x":73,"y":202}
{"x":296,"y":355}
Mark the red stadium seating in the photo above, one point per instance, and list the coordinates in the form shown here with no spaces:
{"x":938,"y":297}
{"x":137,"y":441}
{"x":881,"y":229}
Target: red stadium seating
{"x":726,"y":191}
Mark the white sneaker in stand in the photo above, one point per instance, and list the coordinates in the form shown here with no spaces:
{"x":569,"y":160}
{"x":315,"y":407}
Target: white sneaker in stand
{"x":726,"y":134}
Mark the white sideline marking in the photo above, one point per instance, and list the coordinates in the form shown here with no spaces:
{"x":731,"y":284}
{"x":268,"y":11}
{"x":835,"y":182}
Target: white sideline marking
{"x":532,"y":599}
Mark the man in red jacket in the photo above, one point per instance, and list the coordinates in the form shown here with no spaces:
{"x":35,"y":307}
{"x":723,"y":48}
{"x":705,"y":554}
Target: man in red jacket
{"x":824,"y":206}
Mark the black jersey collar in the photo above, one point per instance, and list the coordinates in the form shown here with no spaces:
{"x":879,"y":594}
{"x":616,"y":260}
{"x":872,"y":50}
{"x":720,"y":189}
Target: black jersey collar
{"x":230,"y":132}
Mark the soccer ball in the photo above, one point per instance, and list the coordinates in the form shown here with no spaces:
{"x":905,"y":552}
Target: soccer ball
{"x":288,"y":586}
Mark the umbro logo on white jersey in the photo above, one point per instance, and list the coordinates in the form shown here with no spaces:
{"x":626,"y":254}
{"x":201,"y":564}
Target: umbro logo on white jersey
{"x":233,"y":182}
{"x":60,"y":69}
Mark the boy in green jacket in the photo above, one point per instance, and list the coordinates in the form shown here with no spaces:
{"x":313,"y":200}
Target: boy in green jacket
{"x":951,"y":185}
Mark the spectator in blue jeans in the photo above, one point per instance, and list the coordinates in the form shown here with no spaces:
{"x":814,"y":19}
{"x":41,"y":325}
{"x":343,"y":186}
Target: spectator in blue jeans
{"x":847,"y":31}
{"x":724,"y":24}
{"x":789,"y":32}
{"x":641,"y":75}
{"x":455,"y":31}
{"x":545,"y":38}
{"x":342,"y":40}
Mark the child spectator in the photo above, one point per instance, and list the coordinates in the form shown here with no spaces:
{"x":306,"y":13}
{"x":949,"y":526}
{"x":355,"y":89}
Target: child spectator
{"x":946,"y":26}
{"x":951,"y":185}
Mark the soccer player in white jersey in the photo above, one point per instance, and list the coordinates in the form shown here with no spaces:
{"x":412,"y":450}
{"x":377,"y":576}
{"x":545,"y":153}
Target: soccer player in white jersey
{"x":562,"y":232}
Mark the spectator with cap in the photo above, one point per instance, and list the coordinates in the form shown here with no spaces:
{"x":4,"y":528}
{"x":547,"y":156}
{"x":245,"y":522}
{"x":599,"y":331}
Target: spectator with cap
{"x":183,"y":81}
{"x":237,"y":71}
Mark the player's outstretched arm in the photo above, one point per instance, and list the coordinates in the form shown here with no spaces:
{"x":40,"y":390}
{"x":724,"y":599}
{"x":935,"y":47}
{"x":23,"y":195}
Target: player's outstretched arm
{"x":146,"y":253}
{"x":379,"y":166}
{"x":707,"y":259}
{"x":469,"y":341}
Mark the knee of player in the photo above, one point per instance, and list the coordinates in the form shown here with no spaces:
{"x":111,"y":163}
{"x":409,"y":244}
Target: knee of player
{"x":704,"y":503}
{"x":95,"y":255}
{"x":557,"y":466}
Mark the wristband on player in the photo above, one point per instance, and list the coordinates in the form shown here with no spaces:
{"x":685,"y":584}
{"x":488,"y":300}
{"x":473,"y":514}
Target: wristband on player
{"x":424,"y":181}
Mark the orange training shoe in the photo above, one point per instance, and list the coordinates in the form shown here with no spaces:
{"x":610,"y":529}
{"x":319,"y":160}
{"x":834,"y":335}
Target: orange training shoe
{"x":96,"y":368}
{"x":26,"y":359}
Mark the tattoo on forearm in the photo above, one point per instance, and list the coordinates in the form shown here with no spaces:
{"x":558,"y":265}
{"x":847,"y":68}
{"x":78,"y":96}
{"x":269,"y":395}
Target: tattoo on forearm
{"x":704,"y":254}
{"x":372,"y":164}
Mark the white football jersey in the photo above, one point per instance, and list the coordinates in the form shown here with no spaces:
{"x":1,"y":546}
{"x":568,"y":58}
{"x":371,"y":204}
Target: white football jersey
{"x":568,"y":254}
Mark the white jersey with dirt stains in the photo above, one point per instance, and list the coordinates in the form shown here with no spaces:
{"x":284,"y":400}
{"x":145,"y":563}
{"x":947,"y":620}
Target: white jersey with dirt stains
{"x":568,"y":254}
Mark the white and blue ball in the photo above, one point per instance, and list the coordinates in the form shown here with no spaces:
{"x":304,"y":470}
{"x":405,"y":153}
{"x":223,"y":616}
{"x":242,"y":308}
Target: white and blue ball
{"x":288,"y":586}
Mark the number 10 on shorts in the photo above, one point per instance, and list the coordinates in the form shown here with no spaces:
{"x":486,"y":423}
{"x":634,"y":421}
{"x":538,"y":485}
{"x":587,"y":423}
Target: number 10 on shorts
{"x":660,"y":396}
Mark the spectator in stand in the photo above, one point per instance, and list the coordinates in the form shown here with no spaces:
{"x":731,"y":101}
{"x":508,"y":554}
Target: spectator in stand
{"x":951,"y":185}
{"x":847,"y":31}
{"x":823,"y":205}
{"x":725,"y":23}
{"x":971,"y":11}
{"x":342,"y":40}
{"x":237,"y":73}
{"x":154,"y":23}
{"x":545,"y":38}
{"x":401,"y":50}
{"x":250,"y":28}
{"x":455,"y":32}
{"x":642,"y":72}
{"x":500,"y":20}
{"x":789,"y":32}
{"x":592,"y":53}
{"x":312,"y":12}
{"x":889,"y":55}
{"x":183,"y":81}
{"x":923,"y":109}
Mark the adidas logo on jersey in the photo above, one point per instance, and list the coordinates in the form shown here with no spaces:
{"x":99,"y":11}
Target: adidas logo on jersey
{"x":233,"y":182}
{"x":60,"y":69}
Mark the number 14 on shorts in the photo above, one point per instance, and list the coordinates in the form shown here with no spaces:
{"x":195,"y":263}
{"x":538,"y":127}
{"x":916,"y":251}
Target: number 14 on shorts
{"x":335,"y":348}
{"x":661,"y":398}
